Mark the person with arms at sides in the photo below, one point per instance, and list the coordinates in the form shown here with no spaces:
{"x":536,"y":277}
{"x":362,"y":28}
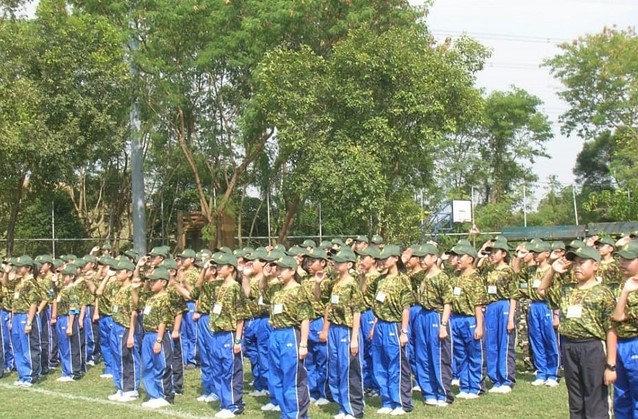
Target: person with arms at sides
{"x":65,"y":311}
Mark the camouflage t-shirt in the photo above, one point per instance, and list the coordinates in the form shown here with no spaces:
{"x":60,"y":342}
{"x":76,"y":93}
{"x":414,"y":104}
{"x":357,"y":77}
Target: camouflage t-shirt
{"x":105,"y":301}
{"x":255,"y":304}
{"x":67,"y":300}
{"x":178,"y":305}
{"x":629,"y":327}
{"x":610,"y":275}
{"x":534,"y":279}
{"x":288,"y":306}
{"x":123,"y":306}
{"x":368,"y":297}
{"x":435,"y":291}
{"x":26,"y":293}
{"x":83,"y":291}
{"x":229,"y":307}
{"x":585,"y":314}
{"x":392,"y":295}
{"x":501,"y":284}
{"x":416,"y":281}
{"x":49,"y":290}
{"x":204,"y":296}
{"x":468,"y":291}
{"x":157,"y":310}
{"x":318,"y":305}
{"x":191,"y":276}
{"x":345,"y":300}
{"x":8,"y":292}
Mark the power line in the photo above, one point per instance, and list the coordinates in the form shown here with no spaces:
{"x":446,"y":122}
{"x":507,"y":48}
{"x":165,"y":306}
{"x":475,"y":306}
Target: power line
{"x":503,"y":37}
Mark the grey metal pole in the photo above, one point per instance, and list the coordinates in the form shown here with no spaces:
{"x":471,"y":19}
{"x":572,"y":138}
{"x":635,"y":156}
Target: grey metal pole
{"x":137,"y":166}
{"x":524,"y":207}
{"x":575,"y":208}
{"x":320,"y":225}
{"x":268,"y":213}
{"x":53,"y":229}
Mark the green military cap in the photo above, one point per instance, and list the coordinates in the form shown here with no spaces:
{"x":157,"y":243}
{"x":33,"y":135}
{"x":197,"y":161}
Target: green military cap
{"x":201,"y":263}
{"x":223,"y":258}
{"x":124,"y":265}
{"x":429,"y":249}
{"x":628,"y":251}
{"x":159,"y":273}
{"x":575,"y":244}
{"x":498,"y":244}
{"x":417,"y":250}
{"x":557,"y":245}
{"x":461,"y":250}
{"x":584,"y":252}
{"x":326,"y":244}
{"x":606,"y":240}
{"x":500,"y":237}
{"x":309,"y":243}
{"x":248,"y":249}
{"x":286,"y":262}
{"x":44,"y":259}
{"x":390,"y":250}
{"x":376,"y":239}
{"x":169,"y":264}
{"x":69,"y":258}
{"x":317,"y":254}
{"x":463,"y":242}
{"x":338,"y":242}
{"x":239,"y":253}
{"x":90,"y":259}
{"x":188,"y":253}
{"x":280,"y":247}
{"x":225,"y":249}
{"x":58,"y":263}
{"x":131,"y":254}
{"x":362,"y":239}
{"x":158,"y":251}
{"x":206,"y":252}
{"x":70,"y":270}
{"x":296,"y":251}
{"x":344,"y":255}
{"x":369,"y":251}
{"x":260,"y":253}
{"x":105,"y":260}
{"x":273,"y":255}
{"x":539,"y":247}
{"x":107,"y":246}
{"x":24,"y":260}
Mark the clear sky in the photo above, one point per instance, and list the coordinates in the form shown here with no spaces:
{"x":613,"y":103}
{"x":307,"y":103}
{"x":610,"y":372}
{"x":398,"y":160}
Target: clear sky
{"x":521,"y":34}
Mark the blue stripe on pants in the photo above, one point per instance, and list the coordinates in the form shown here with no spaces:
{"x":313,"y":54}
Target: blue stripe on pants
{"x":157,"y":373}
{"x":26,"y":347}
{"x":287,"y":374}
{"x":5,"y":319}
{"x":468,"y":353}
{"x":542,"y":339}
{"x":316,"y":360}
{"x":228,"y":372}
{"x":499,"y":344}
{"x":188,"y":336}
{"x":433,"y":363}
{"x":105,"y":323}
{"x":367,"y":321}
{"x":126,"y":361}
{"x":205,"y":341}
{"x":626,"y":386}
{"x":391,"y":367}
{"x":344,"y":371}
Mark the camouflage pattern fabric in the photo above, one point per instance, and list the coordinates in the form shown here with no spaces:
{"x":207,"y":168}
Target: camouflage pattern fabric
{"x":48,"y":288}
{"x":105,"y":301}
{"x":204,"y":296}
{"x":346,"y":299}
{"x":392,"y":296}
{"x":468,"y":291}
{"x":522,"y":331}
{"x":84,"y":293}
{"x":67,"y":300}
{"x":610,"y":275}
{"x":26,"y":293}
{"x":191,"y":276}
{"x":318,"y":305}
{"x":229,"y":307}
{"x":501,"y":284}
{"x":368,"y":298}
{"x":629,"y":327}
{"x":586,"y":314}
{"x":288,"y":307}
{"x":435,"y":292}
{"x":157,"y":310}
{"x":7,"y":293}
{"x":123,"y":306}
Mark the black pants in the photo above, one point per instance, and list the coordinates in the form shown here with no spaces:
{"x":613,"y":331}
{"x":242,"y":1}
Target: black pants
{"x":584,"y":362}
{"x":75,"y":344}
{"x":178,"y":367}
{"x":45,"y":333}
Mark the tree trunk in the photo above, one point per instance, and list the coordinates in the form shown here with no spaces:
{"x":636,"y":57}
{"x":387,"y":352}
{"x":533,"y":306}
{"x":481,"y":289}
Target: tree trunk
{"x":13,"y":215}
{"x":291,"y":212}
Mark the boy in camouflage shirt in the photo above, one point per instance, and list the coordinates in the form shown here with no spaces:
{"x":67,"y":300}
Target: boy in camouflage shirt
{"x":66,"y":308}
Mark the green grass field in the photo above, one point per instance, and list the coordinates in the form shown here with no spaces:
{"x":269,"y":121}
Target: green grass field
{"x":87,"y":397}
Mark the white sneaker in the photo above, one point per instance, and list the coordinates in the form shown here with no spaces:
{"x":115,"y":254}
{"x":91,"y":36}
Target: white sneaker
{"x":462,"y":395}
{"x":268,"y":407}
{"x":430,"y":402}
{"x":442,"y":403}
{"x":17,"y":383}
{"x":416,"y":388}
{"x":349,"y":417}
{"x":212,"y":397}
{"x":398,"y":412}
{"x":471,"y":396}
{"x":505,"y":389}
{"x":115,"y":397}
{"x":258,"y":393}
{"x":312,"y":400}
{"x":65,"y":379}
{"x":27,"y":384}
{"x":538,"y":382}
{"x":106,"y":376}
{"x":339,"y":416}
{"x":322,"y":402}
{"x":203,"y":398}
{"x":90,"y":363}
{"x":125,"y":398}
{"x":456,"y":382}
{"x":225,"y":414}
{"x":277,"y":409}
{"x":156,"y":403}
{"x":495,"y":389}
{"x":384,"y":411}
{"x":551,"y":383}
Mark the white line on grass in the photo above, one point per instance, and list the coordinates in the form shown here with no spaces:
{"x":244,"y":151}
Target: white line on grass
{"x":173,"y":413}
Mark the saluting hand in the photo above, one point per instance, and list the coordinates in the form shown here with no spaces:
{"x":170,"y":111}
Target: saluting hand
{"x":561,"y":265}
{"x":631,"y":285}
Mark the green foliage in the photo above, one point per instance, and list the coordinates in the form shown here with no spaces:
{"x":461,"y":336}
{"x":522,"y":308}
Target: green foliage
{"x":616,"y":205}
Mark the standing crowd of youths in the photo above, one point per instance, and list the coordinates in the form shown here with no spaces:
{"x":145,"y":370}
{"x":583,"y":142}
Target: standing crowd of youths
{"x":333,"y":323}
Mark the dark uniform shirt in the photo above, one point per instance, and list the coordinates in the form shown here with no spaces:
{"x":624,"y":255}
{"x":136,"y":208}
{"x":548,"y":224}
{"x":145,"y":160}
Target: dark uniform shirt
{"x":434,"y":292}
{"x":229,"y":307}
{"x":157,"y":310}
{"x":346,"y":299}
{"x":392,"y":295}
{"x":288,"y":306}
{"x":468,"y":291}
{"x":585,"y":314}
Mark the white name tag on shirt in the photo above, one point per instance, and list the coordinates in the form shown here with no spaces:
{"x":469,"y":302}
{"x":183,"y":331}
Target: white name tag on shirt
{"x":59,"y":298}
{"x":574,"y":312}
{"x":16,"y":295}
{"x":491,"y":289}
{"x":457,"y":291}
{"x":334,"y":299}
{"x":278,"y":309}
{"x":523,"y":285}
{"x":147,"y":310}
{"x":115,"y":308}
{"x":380,"y":296}
{"x":261,"y":301}
{"x":599,"y":279}
{"x":537,"y":283}
{"x":217,"y":309}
